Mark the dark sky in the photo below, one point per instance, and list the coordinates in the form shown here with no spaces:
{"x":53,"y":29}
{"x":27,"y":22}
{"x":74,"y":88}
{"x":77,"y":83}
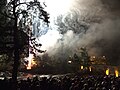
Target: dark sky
{"x":112,"y":5}
{"x":112,"y":49}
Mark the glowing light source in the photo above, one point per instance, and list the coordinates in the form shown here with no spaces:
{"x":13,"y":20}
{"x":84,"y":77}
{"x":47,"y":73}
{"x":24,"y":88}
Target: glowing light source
{"x":90,"y":68}
{"x":31,"y":61}
{"x":116,"y":73}
{"x":69,"y":62}
{"x":49,"y":39}
{"x":56,"y":7}
{"x":103,"y":56}
{"x":107,"y":71}
{"x":94,"y":57}
{"x":81,"y":67}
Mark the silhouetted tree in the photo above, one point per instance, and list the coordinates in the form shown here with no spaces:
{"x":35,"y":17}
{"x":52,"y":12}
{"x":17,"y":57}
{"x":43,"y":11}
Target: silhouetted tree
{"x":84,"y":57}
{"x":19,"y":12}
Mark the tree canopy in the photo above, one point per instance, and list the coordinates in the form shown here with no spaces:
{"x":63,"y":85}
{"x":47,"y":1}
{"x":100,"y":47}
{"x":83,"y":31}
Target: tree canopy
{"x":19,"y":15}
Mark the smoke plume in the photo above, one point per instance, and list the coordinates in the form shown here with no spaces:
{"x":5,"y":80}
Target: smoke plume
{"x":101,"y":38}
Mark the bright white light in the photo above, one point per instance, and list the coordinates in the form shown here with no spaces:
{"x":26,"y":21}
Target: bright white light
{"x":69,"y":62}
{"x":49,"y":40}
{"x":56,"y":7}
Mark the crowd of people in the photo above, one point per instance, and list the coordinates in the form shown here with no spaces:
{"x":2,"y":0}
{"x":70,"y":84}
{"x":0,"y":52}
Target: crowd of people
{"x":89,"y":82}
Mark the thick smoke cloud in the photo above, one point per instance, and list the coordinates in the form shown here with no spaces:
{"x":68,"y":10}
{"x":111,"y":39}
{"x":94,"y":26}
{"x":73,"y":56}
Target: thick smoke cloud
{"x":113,"y":5}
{"x":104,"y":39}
{"x":101,"y":38}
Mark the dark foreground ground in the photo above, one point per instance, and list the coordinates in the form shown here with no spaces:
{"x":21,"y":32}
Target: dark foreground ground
{"x":64,"y":82}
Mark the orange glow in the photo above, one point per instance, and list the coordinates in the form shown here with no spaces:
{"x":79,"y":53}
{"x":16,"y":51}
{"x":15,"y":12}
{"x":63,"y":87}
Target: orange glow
{"x":116,"y":73}
{"x":81,"y":67}
{"x":107,"y":71}
{"x":31,"y":61}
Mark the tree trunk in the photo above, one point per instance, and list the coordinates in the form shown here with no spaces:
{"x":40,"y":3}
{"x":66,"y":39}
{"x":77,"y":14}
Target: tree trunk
{"x":15,"y":68}
{"x":16,"y":50}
